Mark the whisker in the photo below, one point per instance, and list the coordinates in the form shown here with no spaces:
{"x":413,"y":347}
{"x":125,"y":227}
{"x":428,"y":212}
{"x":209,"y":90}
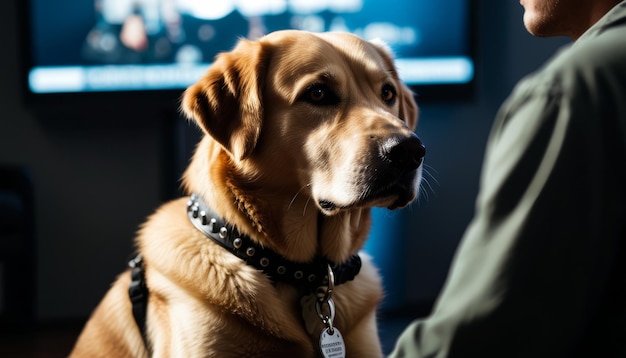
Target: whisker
{"x":426,"y":184}
{"x":428,"y":171}
{"x":306,"y":205}
{"x":426,"y":187}
{"x":296,"y":195}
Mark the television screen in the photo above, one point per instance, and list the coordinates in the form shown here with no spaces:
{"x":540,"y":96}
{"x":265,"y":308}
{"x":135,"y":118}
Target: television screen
{"x":99,"y":46}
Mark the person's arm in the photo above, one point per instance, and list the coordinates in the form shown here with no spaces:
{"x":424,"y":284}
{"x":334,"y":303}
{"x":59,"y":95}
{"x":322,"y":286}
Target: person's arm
{"x":534,"y":263}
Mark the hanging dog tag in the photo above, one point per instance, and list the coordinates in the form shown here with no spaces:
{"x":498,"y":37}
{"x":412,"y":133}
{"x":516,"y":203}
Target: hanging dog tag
{"x":332,"y":345}
{"x":331,"y":341}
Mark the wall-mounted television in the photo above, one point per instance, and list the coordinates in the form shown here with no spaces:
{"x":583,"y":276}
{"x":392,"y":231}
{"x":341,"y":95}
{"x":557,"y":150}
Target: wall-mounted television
{"x":108,"y":49}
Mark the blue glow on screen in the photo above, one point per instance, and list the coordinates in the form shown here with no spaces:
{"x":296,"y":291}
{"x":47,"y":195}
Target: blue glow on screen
{"x":112,"y":45}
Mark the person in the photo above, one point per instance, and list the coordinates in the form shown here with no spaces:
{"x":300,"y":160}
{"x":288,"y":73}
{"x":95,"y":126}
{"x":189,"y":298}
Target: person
{"x":541,"y":269}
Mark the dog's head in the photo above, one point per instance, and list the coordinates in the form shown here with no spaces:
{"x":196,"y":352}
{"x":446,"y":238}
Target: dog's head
{"x":323,"y":116}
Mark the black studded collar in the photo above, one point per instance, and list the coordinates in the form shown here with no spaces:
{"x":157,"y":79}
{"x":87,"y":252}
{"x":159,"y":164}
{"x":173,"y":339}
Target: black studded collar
{"x":310,"y":275}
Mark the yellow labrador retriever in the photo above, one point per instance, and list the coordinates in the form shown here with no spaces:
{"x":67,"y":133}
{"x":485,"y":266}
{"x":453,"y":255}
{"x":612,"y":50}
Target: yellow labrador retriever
{"x":304,"y":134}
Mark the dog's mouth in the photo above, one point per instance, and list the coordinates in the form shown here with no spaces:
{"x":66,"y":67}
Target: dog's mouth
{"x":393,"y":193}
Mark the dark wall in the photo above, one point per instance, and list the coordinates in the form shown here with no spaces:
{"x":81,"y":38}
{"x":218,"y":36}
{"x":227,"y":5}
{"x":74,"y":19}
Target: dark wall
{"x":98,"y":174}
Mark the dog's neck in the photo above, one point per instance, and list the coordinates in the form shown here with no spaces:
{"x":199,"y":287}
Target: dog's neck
{"x":310,"y":276}
{"x":276,"y":217}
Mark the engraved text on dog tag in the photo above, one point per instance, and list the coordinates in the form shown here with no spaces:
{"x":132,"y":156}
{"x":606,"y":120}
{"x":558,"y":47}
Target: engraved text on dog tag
{"x":332,"y":345}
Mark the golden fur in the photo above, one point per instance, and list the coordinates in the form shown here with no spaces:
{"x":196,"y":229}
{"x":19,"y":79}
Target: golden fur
{"x":292,"y":123}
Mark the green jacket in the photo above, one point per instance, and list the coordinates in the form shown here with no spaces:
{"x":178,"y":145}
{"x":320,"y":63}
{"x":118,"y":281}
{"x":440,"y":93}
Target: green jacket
{"x":541,"y":270}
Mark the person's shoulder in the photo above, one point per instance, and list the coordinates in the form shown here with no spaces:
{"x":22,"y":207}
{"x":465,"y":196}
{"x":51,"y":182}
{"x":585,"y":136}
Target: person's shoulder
{"x":608,"y":48}
{"x":594,"y":64}
{"x":590,"y":72}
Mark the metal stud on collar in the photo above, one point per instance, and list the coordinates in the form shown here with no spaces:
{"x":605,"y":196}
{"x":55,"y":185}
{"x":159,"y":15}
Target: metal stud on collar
{"x":213,"y":225}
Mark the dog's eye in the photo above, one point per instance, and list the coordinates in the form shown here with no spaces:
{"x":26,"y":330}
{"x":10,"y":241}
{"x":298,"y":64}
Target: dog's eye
{"x":388,"y":94}
{"x":317,"y":94}
{"x":320,"y":95}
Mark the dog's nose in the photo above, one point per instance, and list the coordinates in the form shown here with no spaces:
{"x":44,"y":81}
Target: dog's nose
{"x":404,"y":152}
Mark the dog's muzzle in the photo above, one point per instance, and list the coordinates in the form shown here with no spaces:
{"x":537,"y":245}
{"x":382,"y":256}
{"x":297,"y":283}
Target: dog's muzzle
{"x":388,"y":176}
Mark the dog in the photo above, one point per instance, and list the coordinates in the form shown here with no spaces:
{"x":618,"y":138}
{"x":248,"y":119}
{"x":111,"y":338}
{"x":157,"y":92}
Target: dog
{"x":303,"y":134}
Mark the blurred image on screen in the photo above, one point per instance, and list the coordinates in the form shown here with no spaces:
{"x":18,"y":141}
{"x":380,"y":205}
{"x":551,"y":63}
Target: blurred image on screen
{"x":122,"y":45}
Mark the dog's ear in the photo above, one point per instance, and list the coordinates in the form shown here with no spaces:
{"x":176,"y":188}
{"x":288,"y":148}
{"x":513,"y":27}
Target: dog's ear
{"x":408,"y":107}
{"x":227,"y":102}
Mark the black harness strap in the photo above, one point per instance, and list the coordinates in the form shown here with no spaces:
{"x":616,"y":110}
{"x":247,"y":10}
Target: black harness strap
{"x":138,"y":292}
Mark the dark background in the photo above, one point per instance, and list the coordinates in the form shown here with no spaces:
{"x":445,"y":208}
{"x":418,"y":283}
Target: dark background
{"x":97,"y":174}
